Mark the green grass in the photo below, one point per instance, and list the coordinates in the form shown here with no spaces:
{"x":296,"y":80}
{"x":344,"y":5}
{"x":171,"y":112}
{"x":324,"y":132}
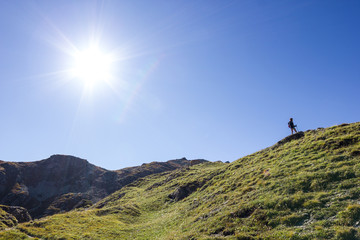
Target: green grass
{"x":303,"y":189}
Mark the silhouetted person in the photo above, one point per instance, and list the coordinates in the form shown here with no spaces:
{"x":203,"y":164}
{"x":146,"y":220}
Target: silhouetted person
{"x":292,"y":126}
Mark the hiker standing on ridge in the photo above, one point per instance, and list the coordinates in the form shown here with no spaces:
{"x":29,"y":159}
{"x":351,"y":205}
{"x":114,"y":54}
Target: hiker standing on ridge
{"x":292,"y":126}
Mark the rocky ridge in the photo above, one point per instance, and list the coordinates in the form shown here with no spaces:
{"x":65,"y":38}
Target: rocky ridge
{"x":62,"y":183}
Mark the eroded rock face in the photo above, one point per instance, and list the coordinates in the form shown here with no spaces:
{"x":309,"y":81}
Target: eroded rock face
{"x":62,"y":183}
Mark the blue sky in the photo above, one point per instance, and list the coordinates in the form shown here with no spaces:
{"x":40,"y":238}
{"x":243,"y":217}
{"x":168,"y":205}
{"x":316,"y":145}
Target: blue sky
{"x":198,"y":79}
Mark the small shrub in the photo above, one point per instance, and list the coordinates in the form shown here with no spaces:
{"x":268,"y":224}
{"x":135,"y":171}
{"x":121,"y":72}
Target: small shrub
{"x":348,"y":174}
{"x":274,"y":222}
{"x":13,"y":234}
{"x":318,"y":185}
{"x":323,"y":233}
{"x":40,"y":224}
{"x":294,"y":219}
{"x":313,"y":203}
{"x":337,"y":158}
{"x":355,"y":153}
{"x":242,"y":212}
{"x":346,"y":185}
{"x":300,"y":237}
{"x":247,"y":189}
{"x":243,"y":236}
{"x":260,"y":217}
{"x":346,"y":234}
{"x":354,"y":193}
{"x":293,"y":202}
{"x":350,"y":216}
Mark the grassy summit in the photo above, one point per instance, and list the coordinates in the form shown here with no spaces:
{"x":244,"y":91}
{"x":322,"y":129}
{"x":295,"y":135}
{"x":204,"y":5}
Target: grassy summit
{"x":306,"y":188}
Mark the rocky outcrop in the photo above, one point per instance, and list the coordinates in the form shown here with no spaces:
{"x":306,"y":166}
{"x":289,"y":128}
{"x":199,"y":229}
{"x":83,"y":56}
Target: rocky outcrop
{"x":62,"y":183}
{"x":289,"y":138}
{"x":185,"y":190}
{"x":7,"y":220}
{"x":67,"y":202}
{"x":20,"y":213}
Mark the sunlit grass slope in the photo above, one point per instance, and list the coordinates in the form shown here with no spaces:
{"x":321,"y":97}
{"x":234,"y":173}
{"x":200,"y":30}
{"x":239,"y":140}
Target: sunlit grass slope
{"x":306,"y":188}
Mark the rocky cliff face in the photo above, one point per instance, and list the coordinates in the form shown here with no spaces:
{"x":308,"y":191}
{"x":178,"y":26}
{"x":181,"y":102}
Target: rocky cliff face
{"x":61,"y":183}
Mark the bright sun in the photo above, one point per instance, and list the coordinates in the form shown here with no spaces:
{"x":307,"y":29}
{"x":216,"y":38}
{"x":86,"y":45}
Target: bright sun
{"x":92,"y":66}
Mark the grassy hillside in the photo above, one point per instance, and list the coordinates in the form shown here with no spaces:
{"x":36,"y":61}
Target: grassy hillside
{"x":306,"y":188}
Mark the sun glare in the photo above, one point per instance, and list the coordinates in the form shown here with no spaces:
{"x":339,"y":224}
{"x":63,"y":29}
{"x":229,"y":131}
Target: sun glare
{"x":92,"y":66}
